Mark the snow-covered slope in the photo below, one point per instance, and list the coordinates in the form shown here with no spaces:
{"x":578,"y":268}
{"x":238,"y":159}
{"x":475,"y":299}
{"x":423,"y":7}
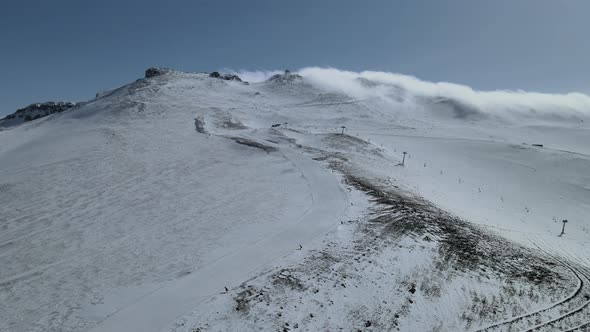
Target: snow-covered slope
{"x":135,"y":211}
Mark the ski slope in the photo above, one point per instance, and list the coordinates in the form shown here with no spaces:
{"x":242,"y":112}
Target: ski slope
{"x":328,"y":205}
{"x":138,"y":208}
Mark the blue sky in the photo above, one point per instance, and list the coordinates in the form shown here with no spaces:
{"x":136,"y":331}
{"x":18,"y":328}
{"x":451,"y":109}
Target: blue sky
{"x":69,"y":50}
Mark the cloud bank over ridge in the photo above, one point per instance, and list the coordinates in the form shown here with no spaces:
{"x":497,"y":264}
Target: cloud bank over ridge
{"x":412,"y":93}
{"x":398,"y":88}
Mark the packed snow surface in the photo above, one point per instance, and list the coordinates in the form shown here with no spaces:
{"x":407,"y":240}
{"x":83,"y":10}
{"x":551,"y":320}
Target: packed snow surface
{"x":186,"y":202}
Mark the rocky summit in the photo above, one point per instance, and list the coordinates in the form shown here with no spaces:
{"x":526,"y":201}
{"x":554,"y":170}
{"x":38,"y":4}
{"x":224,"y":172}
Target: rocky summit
{"x":35,"y":111}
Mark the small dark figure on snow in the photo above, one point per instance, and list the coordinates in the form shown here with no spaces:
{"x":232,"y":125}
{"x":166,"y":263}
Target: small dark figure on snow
{"x":563,"y":228}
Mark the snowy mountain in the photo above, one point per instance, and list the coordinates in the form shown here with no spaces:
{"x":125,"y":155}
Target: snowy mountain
{"x":312,"y":201}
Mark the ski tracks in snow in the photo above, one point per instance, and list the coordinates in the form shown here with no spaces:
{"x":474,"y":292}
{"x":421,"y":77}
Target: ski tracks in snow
{"x":569,"y":314}
{"x":156,"y":310}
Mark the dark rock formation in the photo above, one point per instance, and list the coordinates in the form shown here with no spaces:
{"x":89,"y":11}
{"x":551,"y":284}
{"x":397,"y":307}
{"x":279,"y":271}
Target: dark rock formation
{"x":200,"y":125}
{"x":35,"y":111}
{"x":227,"y":77}
{"x":154,"y":71}
{"x":286,"y":77}
{"x":41,"y":109}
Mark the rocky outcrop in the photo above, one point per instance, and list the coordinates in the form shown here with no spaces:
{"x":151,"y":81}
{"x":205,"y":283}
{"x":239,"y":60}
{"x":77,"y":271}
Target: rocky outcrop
{"x":35,"y":111}
{"x":155,"y":71}
{"x":227,"y":77}
{"x":286,"y":77}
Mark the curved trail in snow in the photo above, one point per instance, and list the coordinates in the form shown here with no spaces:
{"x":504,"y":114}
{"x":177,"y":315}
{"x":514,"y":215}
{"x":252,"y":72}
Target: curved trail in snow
{"x":514,"y":320}
{"x":579,"y":327}
{"x":156,"y":310}
{"x":583,"y":282}
{"x":563,"y":318}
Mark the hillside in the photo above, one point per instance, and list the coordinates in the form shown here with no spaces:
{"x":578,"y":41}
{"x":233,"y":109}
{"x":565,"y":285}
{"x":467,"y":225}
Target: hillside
{"x":317,"y":200}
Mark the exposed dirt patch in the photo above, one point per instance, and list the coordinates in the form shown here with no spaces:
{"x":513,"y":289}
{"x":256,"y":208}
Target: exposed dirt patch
{"x":286,"y":279}
{"x":254,"y":144}
{"x":249,"y":296}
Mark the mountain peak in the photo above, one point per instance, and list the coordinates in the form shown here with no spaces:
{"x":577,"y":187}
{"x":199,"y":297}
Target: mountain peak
{"x":227,"y":77}
{"x":156,"y":71}
{"x":285,"y":77}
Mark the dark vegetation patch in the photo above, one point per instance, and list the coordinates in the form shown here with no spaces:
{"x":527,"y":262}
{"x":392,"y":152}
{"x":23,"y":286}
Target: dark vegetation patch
{"x":462,"y":246}
{"x":248,"y":297}
{"x":286,"y":279}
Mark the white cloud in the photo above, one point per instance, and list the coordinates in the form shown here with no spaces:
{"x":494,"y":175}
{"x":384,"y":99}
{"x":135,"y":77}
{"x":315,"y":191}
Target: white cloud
{"x":501,"y":103}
